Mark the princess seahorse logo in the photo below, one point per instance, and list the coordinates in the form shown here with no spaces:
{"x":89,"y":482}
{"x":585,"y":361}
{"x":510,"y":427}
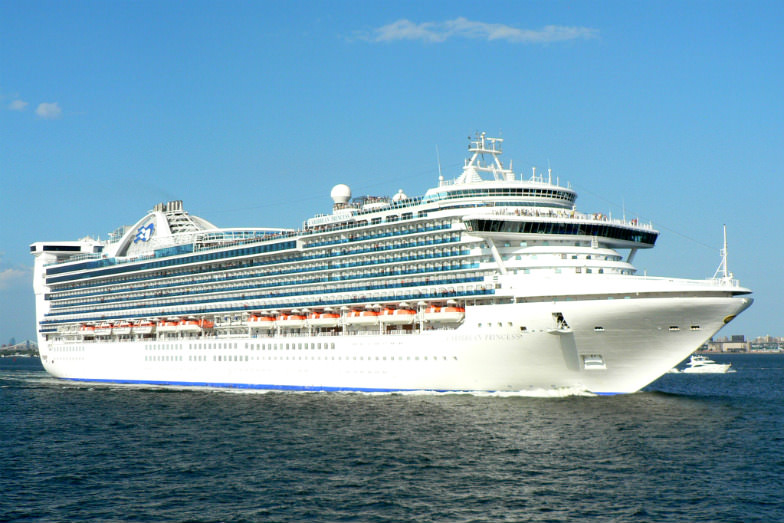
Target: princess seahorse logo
{"x":143,"y":233}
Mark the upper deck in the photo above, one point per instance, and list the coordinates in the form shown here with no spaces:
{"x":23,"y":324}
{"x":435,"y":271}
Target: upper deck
{"x":484,"y":191}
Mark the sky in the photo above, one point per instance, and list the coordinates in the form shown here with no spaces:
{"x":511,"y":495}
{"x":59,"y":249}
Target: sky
{"x":251,"y":111}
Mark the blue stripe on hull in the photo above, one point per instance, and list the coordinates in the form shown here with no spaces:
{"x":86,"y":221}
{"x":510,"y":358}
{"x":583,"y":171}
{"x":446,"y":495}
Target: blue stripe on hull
{"x":301,"y":388}
{"x":254,"y":386}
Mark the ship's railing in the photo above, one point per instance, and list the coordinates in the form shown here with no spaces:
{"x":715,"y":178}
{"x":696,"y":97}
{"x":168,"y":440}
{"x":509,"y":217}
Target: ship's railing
{"x":260,"y":337}
{"x":385,"y":205}
{"x":535,"y":178}
{"x":717,"y":282}
{"x":296,"y":259}
{"x":571,"y":215}
{"x":194,"y":303}
{"x":77,"y":257}
{"x":219,"y":285}
{"x":408,"y":292}
{"x":365,"y":237}
{"x":214,"y":241}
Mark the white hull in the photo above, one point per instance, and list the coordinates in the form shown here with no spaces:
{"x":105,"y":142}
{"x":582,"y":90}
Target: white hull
{"x":489,"y":351}
{"x":708,"y":369}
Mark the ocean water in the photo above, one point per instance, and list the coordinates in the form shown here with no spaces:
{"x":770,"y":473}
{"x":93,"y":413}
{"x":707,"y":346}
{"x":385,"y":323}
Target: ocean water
{"x":688,"y":448}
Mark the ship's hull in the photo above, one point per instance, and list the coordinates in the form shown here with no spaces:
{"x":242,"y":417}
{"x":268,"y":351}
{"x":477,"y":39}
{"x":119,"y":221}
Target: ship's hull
{"x":608,"y":347}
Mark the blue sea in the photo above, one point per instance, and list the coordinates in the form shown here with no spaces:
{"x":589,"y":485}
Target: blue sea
{"x":688,"y":448}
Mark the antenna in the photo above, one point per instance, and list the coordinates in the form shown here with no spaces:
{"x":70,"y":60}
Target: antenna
{"x":440,"y":176}
{"x":549,"y":172}
{"x":725,"y":274}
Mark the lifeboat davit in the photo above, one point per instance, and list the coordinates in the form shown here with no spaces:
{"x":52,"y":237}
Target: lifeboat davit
{"x":398,"y":316}
{"x":448,"y":314}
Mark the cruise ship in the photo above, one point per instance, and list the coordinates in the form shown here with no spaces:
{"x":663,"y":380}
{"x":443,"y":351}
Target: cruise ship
{"x":491,"y":281}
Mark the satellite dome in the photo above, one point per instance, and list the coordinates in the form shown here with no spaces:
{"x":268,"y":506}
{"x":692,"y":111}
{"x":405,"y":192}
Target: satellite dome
{"x":341,"y":193}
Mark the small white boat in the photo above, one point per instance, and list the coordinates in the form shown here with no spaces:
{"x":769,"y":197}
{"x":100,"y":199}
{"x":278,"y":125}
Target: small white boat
{"x":703,"y":365}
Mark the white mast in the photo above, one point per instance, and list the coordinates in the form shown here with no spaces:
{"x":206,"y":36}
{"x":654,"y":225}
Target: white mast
{"x":479,"y":147}
{"x":722,"y":269}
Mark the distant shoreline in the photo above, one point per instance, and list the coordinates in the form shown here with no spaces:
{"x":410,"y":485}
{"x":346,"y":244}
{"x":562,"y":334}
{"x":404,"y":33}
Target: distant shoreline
{"x":740,"y":353}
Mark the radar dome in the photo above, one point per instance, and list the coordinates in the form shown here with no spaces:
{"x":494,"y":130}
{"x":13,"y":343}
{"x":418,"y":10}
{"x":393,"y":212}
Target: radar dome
{"x":341,"y":193}
{"x":399,"y":196}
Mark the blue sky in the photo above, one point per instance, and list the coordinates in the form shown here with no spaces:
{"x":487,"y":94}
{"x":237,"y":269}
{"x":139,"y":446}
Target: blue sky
{"x":250,"y":112}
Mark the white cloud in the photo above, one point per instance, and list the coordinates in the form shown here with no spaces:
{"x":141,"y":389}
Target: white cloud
{"x":49,"y":111}
{"x":17,"y":105}
{"x":13,"y":277}
{"x":463,"y":28}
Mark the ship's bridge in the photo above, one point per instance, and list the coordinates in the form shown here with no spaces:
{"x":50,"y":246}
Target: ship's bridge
{"x":534,"y":194}
{"x":499,"y":183}
{"x":554,"y":225}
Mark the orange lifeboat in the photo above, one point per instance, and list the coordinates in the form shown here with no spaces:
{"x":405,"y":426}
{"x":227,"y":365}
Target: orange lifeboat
{"x":169,"y":325}
{"x":448,"y":314}
{"x":292,"y":321}
{"x":366,"y":317}
{"x":398,"y":316}
{"x":323,"y":319}
{"x":143,"y":327}
{"x":258,"y":321}
{"x":193,"y":325}
{"x":188,"y":325}
{"x":122,"y":328}
{"x":87,"y":329}
{"x":104,"y":329}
